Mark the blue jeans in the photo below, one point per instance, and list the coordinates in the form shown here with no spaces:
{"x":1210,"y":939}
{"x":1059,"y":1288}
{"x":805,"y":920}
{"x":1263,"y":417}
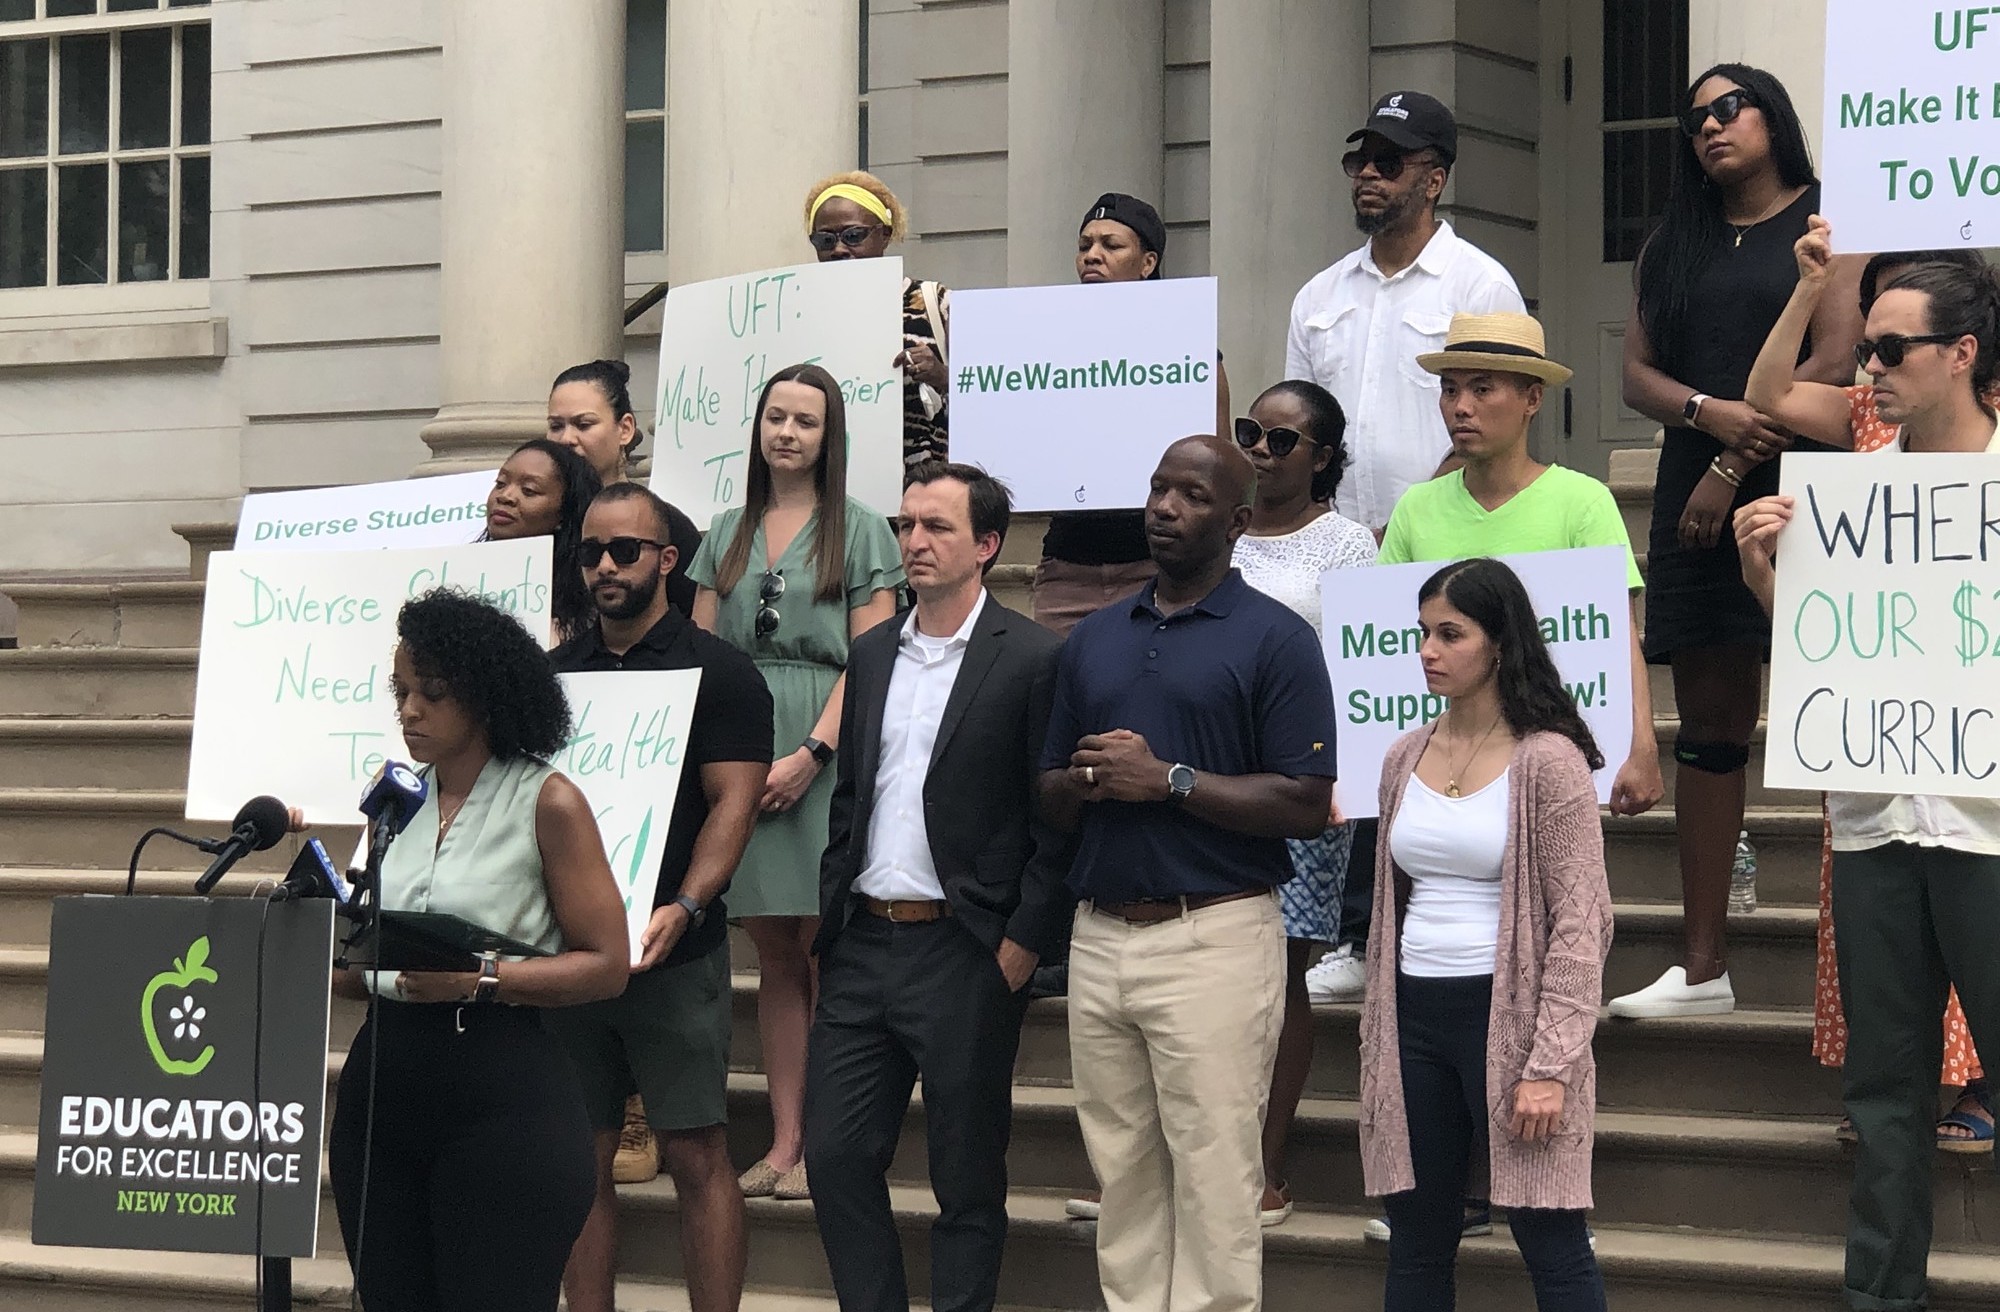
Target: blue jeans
{"x":1441,"y":1027}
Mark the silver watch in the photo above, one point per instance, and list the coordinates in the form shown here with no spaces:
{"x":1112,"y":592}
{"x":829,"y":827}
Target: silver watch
{"x":1180,"y":782}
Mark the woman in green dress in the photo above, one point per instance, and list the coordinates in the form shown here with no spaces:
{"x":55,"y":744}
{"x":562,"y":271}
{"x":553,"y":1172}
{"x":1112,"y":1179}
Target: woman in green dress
{"x":789,"y":579}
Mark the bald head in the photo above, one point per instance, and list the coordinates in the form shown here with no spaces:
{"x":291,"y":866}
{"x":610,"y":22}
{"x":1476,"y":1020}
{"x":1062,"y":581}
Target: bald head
{"x":1233,"y":477}
{"x":1199,"y":504}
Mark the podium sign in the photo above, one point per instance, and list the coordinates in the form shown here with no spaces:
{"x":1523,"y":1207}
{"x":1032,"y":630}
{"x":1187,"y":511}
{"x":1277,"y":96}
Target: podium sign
{"x":163,"y":1115}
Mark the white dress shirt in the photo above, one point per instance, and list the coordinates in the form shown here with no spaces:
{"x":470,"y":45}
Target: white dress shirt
{"x":899,"y":864}
{"x":1358,"y":333}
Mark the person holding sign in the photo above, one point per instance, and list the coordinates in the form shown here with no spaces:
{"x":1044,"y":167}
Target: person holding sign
{"x":453,"y":1092}
{"x":1916,"y":904}
{"x":1496,"y":915}
{"x":1711,"y":280}
{"x":1091,"y":558}
{"x":789,"y":579}
{"x":940,"y":887}
{"x":541,"y":492}
{"x":1193,"y":732}
{"x":667,"y":1037}
{"x":590,"y":411}
{"x":1294,"y":437}
{"x":854,"y":216}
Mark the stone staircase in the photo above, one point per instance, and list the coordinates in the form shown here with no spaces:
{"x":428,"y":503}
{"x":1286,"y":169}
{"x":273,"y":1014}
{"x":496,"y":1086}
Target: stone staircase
{"x":1719,"y":1184}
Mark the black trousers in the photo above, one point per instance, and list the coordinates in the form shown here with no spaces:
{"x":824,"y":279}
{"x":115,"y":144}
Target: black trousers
{"x":481,"y":1169}
{"x":1357,"y":895}
{"x":898,"y":1002}
{"x":1441,"y":1026}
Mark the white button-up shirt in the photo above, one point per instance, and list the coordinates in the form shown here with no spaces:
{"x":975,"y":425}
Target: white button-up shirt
{"x":1358,"y":333}
{"x":899,"y":864}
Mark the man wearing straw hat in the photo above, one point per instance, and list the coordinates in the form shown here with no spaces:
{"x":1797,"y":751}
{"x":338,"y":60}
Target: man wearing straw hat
{"x":1492,"y":371}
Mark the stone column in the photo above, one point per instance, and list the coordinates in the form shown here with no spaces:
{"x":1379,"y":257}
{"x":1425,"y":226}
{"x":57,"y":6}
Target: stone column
{"x":763,"y":100}
{"x":534,"y":188}
{"x":1085,"y":106}
{"x":1279,"y":206}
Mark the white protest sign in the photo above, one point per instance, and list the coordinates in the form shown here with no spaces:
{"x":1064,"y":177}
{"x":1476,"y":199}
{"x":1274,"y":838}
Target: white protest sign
{"x":411,"y":512}
{"x":292,"y":692}
{"x":1911,"y":160}
{"x":1070,"y":394}
{"x":721,"y":340}
{"x":1885,"y":636}
{"x":628,"y":737}
{"x":1372,"y":639}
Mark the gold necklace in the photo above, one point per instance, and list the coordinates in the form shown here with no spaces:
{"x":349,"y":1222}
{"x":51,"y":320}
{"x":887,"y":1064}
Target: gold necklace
{"x":1451,"y":771}
{"x":1743,"y":230}
{"x":445,"y":821}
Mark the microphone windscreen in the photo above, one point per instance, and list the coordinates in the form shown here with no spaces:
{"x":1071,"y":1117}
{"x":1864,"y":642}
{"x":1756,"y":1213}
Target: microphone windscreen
{"x":267,"y":818}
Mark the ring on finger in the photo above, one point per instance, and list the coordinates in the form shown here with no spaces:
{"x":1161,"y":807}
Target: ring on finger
{"x":1090,"y":775}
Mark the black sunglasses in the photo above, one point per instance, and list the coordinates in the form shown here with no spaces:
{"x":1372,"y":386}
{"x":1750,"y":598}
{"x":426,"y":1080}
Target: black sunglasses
{"x":1892,"y":347}
{"x":769,"y":589}
{"x":624,"y":551}
{"x":1388,"y":167}
{"x":1725,"y":107}
{"x":825,"y":239}
{"x":1281,"y":442}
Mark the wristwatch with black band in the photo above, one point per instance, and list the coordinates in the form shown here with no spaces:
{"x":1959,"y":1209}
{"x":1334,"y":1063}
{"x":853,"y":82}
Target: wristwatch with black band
{"x":820,"y":751}
{"x":696,"y":911}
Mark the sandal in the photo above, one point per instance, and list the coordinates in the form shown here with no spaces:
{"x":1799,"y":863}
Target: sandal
{"x":1978,"y":1136}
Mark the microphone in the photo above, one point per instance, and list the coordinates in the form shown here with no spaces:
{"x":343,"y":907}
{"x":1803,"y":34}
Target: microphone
{"x":314,"y":875}
{"x":393,"y":797}
{"x":259,"y":825}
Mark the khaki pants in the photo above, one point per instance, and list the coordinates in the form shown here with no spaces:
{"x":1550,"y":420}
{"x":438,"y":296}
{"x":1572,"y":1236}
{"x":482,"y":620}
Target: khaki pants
{"x":1173,"y":1028}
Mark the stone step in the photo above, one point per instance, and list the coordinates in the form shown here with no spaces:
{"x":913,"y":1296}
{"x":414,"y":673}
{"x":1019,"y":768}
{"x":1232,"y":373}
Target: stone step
{"x":1643,"y":861}
{"x":166,"y":614}
{"x":94,"y":829}
{"x":111,"y":682}
{"x":94,"y":753}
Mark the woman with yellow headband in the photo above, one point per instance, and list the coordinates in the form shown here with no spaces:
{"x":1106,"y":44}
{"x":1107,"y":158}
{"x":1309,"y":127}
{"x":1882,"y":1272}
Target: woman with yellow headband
{"x":854,"y":216}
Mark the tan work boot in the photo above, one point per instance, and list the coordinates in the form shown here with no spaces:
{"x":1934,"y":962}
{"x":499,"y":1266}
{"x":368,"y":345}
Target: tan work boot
{"x":638,"y":1158}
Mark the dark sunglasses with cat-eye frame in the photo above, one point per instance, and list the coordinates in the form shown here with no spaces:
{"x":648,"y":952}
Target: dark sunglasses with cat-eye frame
{"x":1280,"y":442}
{"x":1725,"y":107}
{"x":769,"y":589}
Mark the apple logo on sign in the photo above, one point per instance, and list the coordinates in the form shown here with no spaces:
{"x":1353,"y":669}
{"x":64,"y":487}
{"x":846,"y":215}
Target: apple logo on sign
{"x":1965,"y":232}
{"x":185,"y":1014}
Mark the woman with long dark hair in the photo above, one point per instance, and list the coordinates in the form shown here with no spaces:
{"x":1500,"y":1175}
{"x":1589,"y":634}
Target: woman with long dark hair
{"x":452,"y":1091}
{"x":1482,"y":1000}
{"x":1711,"y":281}
{"x":788,"y":579}
{"x":542,"y":491}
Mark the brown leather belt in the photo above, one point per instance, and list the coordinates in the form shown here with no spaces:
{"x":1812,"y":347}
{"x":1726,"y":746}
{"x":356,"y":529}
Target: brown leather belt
{"x":905,"y":911}
{"x":1155,"y":911}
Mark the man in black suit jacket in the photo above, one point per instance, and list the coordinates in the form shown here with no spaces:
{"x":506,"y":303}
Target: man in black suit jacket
{"x":940,"y":888}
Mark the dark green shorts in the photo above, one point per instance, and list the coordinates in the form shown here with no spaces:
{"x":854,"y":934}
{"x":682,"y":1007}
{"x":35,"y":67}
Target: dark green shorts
{"x":666,"y":1038}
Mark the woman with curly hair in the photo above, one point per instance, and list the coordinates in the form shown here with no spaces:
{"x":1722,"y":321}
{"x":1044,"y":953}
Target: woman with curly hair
{"x":854,"y":216}
{"x":542,"y":492}
{"x":452,"y":1092}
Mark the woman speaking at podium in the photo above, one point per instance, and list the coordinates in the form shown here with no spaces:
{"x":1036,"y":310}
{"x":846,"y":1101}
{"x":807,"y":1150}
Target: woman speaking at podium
{"x":461,"y":1151}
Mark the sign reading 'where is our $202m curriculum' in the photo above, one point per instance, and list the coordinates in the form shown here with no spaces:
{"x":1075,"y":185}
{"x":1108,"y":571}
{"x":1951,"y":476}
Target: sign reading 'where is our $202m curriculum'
{"x":1912,"y":125}
{"x":1885,"y":642}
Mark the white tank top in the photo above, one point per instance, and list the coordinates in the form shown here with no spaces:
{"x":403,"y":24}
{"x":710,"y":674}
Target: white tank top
{"x":1451,"y":848}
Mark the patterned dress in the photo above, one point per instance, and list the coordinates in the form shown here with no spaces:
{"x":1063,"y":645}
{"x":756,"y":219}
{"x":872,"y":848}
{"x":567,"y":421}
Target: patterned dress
{"x":926,"y":434}
{"x":1961,"y":1063}
{"x":1287,"y":567}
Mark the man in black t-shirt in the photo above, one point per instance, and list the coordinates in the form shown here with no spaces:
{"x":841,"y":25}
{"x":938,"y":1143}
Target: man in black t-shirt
{"x":667,"y":1037}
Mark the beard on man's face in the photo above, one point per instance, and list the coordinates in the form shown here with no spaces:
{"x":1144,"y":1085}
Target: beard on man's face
{"x":626,"y":600}
{"x":1395,"y":211}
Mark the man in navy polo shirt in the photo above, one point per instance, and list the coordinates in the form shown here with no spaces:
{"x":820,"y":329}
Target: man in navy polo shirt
{"x":1192,"y":734}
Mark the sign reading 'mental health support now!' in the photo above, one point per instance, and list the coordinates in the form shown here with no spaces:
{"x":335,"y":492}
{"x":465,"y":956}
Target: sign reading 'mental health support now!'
{"x":1372,"y":640}
{"x":1071,"y":393}
{"x":721,"y":340}
{"x":411,"y":512}
{"x":166,"y":1115}
{"x":1885,"y":641}
{"x":1912,"y":126}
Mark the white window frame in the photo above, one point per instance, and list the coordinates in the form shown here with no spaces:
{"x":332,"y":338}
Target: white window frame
{"x":644,"y":269}
{"x":172,"y":293}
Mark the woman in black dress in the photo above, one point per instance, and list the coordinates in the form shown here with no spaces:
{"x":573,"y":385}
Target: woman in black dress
{"x":1711,"y":281}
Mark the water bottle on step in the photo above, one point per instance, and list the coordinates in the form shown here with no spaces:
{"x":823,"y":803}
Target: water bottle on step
{"x":1743,"y":877}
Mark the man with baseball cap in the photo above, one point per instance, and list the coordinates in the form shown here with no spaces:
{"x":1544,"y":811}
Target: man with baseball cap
{"x":1357,"y":330}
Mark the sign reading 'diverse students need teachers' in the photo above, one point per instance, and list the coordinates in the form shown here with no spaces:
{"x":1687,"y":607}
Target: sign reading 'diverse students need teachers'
{"x":292,"y":692}
{"x":1071,"y":393}
{"x":1885,"y":635}
{"x":721,"y":340}
{"x":1372,"y":641}
{"x":1912,"y":127}
{"x":411,"y":512}
{"x":167,"y":1117}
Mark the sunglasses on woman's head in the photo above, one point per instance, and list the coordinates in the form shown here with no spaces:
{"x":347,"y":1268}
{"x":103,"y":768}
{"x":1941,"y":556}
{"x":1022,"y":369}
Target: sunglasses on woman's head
{"x":1890,"y":348}
{"x":1280,"y":442}
{"x":852,"y":236}
{"x":1725,"y":107}
{"x":769,"y":589}
{"x":624,"y":551}
{"x":1388,"y":166}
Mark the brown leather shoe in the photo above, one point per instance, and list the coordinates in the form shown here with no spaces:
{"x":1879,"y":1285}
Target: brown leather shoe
{"x":638,"y":1158}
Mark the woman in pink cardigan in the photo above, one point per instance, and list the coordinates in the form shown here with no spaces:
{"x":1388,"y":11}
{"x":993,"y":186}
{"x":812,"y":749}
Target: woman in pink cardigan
{"x":1481,"y":1005}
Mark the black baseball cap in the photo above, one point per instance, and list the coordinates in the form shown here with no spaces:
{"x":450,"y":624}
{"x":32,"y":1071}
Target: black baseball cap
{"x":1135,"y":214}
{"x":1413,"y":121}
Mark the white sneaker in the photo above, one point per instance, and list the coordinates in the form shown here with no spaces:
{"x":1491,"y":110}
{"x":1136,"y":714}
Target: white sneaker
{"x":1672,"y":995}
{"x":1340,"y":976}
